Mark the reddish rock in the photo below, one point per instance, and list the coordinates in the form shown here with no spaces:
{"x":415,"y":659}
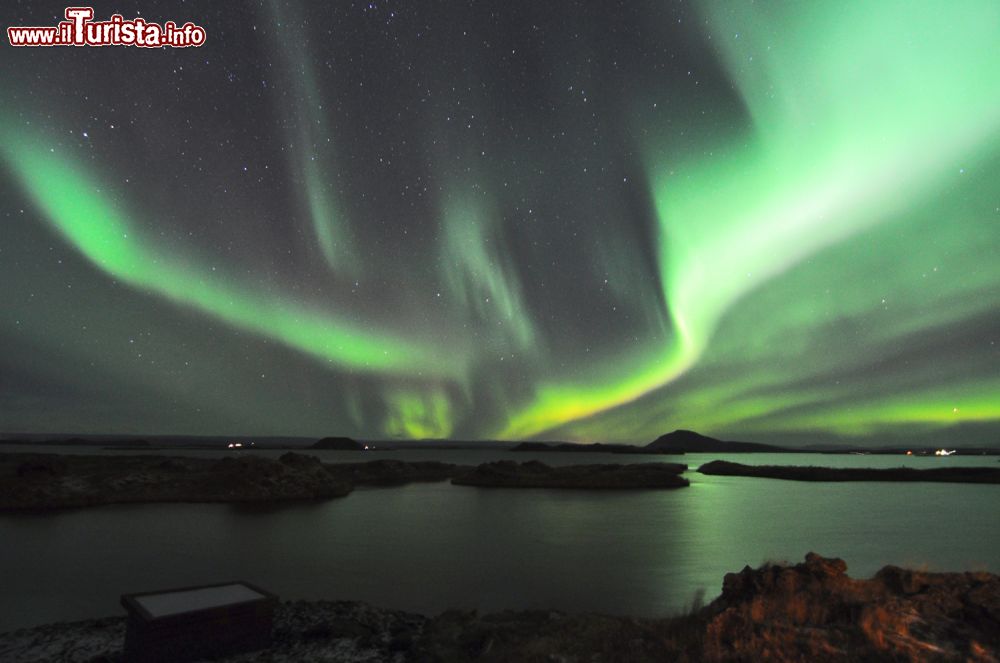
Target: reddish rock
{"x":814,"y":611}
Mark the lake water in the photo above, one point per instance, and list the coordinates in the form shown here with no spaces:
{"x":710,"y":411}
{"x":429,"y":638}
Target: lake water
{"x":429,"y":547}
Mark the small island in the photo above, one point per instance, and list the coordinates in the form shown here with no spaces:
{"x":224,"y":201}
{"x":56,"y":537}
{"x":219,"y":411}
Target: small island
{"x":534,"y":474}
{"x":802,"y":473}
{"x":44,"y":482}
{"x":688,"y":441}
{"x":48,"y":481}
{"x":338,"y":444}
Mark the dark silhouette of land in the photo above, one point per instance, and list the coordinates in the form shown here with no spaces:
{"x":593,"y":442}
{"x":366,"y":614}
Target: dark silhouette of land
{"x":338,"y":444}
{"x":42,"y":482}
{"x":676,"y":442}
{"x":681,"y":441}
{"x":49,"y":481}
{"x":800,"y":473}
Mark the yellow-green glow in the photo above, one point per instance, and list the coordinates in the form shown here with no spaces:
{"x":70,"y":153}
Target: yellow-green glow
{"x":855,"y":123}
{"x":778,"y":220}
{"x":418,"y":414}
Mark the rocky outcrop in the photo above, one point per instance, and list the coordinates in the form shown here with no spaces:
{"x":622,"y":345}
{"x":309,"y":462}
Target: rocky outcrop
{"x":814,"y":611}
{"x":806,"y":612}
{"x":533,"y":474}
{"x":43,"y":482}
{"x":47,"y":481}
{"x":800,"y":473}
{"x":256,"y":479}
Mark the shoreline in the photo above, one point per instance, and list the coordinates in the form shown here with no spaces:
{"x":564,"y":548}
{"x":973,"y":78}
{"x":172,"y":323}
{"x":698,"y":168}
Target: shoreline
{"x":807,"y":611}
{"x":45,"y":482}
{"x":973,"y":475}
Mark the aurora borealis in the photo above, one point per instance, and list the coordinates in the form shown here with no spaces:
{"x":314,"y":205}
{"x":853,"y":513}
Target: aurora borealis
{"x":563,"y":220}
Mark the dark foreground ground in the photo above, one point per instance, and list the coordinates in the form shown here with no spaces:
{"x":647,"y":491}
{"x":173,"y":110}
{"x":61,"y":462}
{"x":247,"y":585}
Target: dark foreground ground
{"x":806,"y":612}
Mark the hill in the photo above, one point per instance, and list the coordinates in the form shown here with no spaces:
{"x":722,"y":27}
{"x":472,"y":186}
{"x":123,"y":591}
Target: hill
{"x":690,"y":441}
{"x":338,"y":444}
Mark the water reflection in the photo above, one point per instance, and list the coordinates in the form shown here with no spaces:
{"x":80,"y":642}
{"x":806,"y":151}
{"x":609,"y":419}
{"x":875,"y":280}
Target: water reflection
{"x":429,"y":547}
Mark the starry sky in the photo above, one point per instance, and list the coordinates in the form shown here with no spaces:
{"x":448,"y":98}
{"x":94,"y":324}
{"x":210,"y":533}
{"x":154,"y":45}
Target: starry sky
{"x":573,"y":220}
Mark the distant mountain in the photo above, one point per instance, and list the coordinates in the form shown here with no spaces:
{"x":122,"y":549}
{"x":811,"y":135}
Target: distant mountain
{"x":338,"y":444}
{"x":688,"y":440}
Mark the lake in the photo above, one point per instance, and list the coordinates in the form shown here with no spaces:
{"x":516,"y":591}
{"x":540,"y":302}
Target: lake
{"x":429,"y":547}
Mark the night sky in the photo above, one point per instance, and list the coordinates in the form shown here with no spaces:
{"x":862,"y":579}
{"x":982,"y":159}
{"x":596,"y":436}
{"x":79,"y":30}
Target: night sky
{"x":591,"y":221}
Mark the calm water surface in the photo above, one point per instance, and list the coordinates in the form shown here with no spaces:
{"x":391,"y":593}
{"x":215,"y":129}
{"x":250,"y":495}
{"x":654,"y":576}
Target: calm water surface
{"x":428,"y":547}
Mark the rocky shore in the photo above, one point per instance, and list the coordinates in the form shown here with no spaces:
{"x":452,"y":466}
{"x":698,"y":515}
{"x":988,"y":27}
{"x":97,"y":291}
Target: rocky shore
{"x":534,"y":474}
{"x":811,"y":611}
{"x":802,"y":473}
{"x":41,"y":482}
{"x":47,"y":481}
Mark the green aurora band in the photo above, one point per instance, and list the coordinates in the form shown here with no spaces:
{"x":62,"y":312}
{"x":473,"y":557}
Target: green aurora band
{"x":848,"y":225}
{"x":91,"y":222}
{"x":311,"y":150}
{"x":837,"y":146}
